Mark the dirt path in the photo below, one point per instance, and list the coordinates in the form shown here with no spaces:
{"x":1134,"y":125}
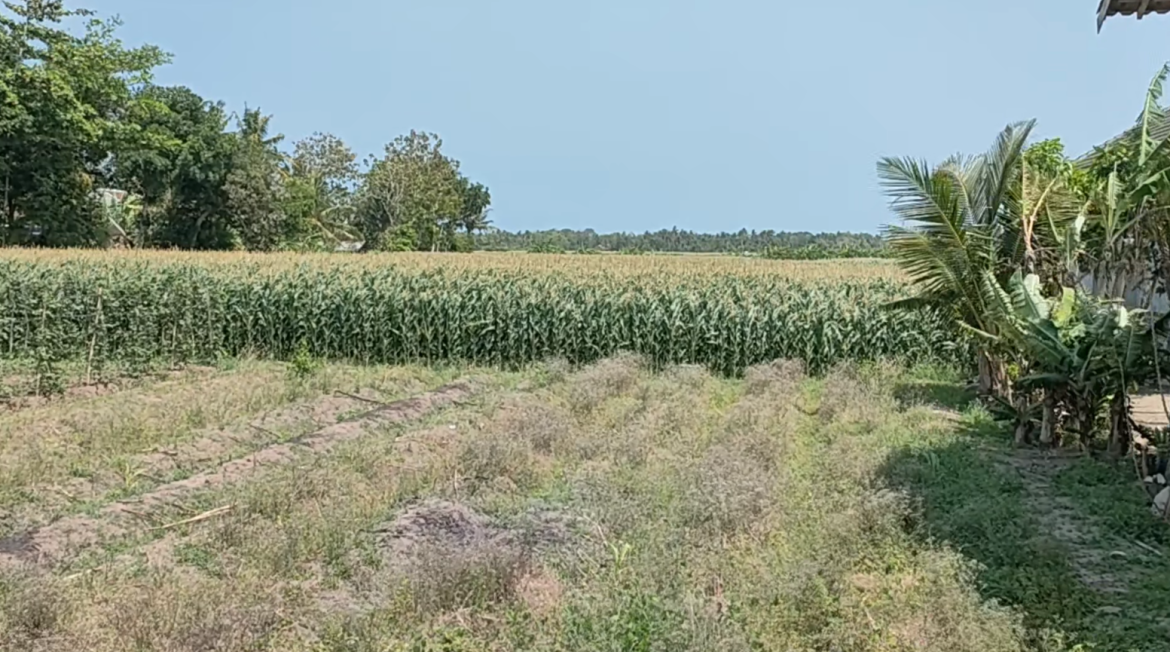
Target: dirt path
{"x":63,"y":538}
{"x":1093,"y":550}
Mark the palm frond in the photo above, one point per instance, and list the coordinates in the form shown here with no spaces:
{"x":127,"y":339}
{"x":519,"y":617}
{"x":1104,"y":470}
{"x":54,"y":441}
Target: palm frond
{"x":978,"y":332}
{"x":919,"y":195}
{"x":961,"y":169}
{"x":935,"y":266}
{"x":1001,"y":164}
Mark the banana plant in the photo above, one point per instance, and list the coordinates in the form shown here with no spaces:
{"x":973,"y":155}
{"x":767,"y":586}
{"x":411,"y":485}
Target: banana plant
{"x":121,"y":210}
{"x":1084,"y":355}
{"x":1127,"y":237}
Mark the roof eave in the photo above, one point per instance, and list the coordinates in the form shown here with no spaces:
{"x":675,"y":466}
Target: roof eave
{"x":1139,"y":8}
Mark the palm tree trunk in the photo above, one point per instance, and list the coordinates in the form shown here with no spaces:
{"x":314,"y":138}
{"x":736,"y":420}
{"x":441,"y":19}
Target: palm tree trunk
{"x":986,"y":380}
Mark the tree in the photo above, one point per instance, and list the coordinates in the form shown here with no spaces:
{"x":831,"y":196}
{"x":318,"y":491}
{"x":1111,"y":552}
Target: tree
{"x":64,"y":96}
{"x":968,"y":223}
{"x":253,"y":186}
{"x":179,"y":164}
{"x":988,"y":258}
{"x":781,"y":244}
{"x":1084,"y":353}
{"x":1128,"y":235}
{"x":328,"y":157}
{"x":319,"y":181}
{"x":954,"y":233}
{"x":477,"y":201}
{"x":412,"y":196}
{"x":82,"y":128}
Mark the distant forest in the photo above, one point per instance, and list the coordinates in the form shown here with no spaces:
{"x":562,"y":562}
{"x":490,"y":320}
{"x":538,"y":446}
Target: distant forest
{"x":772,"y":244}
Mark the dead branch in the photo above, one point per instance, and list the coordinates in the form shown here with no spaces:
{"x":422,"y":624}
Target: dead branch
{"x":1148,"y":547}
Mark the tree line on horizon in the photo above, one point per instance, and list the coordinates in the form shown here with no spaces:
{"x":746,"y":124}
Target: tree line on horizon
{"x":768,"y":243}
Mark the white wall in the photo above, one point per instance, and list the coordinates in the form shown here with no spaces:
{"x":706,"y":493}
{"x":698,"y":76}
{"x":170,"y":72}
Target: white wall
{"x":1135,"y":298}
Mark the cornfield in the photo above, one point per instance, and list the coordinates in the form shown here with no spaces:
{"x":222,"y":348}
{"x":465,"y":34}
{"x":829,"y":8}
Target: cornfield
{"x":504,"y":310}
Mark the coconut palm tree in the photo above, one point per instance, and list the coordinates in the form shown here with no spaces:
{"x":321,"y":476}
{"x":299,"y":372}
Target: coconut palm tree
{"x":316,"y":211}
{"x":970,"y":223}
{"x":960,"y":220}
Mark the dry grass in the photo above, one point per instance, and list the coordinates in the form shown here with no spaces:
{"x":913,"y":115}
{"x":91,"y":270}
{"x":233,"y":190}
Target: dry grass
{"x":597,"y":383}
{"x":780,"y":377}
{"x":607,"y":508}
{"x":63,"y":456}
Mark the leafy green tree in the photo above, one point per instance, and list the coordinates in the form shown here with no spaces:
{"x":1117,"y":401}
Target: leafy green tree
{"x":319,"y":180}
{"x":328,"y":157}
{"x":314,"y":218}
{"x":179,"y":163}
{"x":203,"y":187}
{"x":412,"y":197}
{"x":82,"y":128}
{"x":253,"y":187}
{"x":477,"y":201}
{"x":63,"y":98}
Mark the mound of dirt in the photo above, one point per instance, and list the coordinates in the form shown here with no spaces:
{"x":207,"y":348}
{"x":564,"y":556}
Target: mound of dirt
{"x":449,"y":556}
{"x":434,"y":524}
{"x":439,"y":524}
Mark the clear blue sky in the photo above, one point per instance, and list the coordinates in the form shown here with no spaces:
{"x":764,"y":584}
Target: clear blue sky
{"x":643,"y":114}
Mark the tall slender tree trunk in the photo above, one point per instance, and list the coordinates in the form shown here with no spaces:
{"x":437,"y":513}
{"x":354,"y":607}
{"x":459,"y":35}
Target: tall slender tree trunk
{"x":195,"y":232}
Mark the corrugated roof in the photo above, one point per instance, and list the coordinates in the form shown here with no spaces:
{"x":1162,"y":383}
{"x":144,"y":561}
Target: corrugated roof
{"x":1109,"y":8}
